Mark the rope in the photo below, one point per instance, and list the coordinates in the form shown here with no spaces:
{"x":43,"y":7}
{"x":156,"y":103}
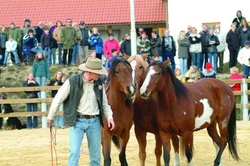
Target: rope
{"x":53,"y":145}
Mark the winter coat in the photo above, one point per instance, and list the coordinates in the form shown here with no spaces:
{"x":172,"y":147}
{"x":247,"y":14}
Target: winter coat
{"x":55,"y":82}
{"x":46,"y":40}
{"x":3,"y":39}
{"x":244,"y":56}
{"x":203,"y":41}
{"x":195,"y":43}
{"x":233,"y":41}
{"x":164,"y":47}
{"x":68,"y":37}
{"x":212,"y":47}
{"x":155,"y":45}
{"x":236,"y":87}
{"x":16,"y":34}
{"x":40,"y":69}
{"x":57,"y":34}
{"x":28,"y":44}
{"x":30,"y":84}
{"x":96,"y":41}
{"x":244,"y":35}
{"x":109,"y":45}
{"x":85,"y":36}
{"x":39,"y":33}
{"x":24,"y":30}
{"x":126,"y":47}
{"x":183,"y":48}
{"x":222,"y":38}
{"x":143,"y":44}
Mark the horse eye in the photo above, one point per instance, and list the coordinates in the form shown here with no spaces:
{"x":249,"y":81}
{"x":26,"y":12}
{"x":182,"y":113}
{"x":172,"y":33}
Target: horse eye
{"x":159,"y":74}
{"x":116,"y":72}
{"x":140,"y":67}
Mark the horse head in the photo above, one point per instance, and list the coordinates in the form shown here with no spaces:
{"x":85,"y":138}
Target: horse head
{"x":120,"y":77}
{"x":154,"y":79}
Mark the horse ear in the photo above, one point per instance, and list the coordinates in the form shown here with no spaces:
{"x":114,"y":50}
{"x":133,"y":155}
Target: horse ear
{"x":166,"y":62}
{"x":125,"y":56}
{"x":144,"y":57}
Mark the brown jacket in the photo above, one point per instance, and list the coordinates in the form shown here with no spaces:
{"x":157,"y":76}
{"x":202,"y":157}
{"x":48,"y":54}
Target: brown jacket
{"x":57,"y":34}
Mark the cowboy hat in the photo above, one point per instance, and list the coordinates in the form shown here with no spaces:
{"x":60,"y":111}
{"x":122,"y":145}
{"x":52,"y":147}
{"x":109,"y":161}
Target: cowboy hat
{"x":93,"y":65}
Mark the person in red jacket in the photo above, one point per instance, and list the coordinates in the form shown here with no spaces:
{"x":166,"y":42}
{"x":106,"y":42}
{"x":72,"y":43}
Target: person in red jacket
{"x":110,"y":44}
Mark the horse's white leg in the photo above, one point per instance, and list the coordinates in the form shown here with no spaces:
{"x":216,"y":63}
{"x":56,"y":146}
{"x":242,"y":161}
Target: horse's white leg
{"x":190,"y":163}
{"x":176,"y":159}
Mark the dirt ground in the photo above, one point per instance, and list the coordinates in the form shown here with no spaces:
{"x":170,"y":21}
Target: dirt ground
{"x":32,"y":148}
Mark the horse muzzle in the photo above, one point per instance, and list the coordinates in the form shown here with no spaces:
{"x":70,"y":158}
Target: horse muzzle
{"x":131,"y":91}
{"x":144,"y":93}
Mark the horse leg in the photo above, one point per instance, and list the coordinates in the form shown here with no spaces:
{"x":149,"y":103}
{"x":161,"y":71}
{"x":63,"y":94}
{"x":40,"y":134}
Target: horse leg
{"x":175,"y":143}
{"x":106,"y":148}
{"x":122,"y":155}
{"x":141,"y":139}
{"x":188,"y":141}
{"x":158,"y":149}
{"x":165,"y":138}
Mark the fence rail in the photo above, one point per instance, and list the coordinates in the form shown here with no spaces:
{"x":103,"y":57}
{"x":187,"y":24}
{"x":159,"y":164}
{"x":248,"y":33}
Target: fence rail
{"x":244,"y":105}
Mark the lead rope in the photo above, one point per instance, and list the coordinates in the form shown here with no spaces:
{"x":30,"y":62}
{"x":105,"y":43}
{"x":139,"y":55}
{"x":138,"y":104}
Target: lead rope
{"x":53,"y":145}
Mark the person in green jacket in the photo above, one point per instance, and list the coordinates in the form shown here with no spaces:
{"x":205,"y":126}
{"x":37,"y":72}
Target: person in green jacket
{"x":17,"y":36}
{"x":68,"y":37}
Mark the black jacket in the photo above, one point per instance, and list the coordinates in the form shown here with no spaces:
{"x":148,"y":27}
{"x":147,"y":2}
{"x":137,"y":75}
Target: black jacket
{"x":126,"y":47}
{"x":212,"y":47}
{"x":55,"y":83}
{"x":173,"y":45}
{"x":233,"y":41}
{"x":155,"y":45}
{"x":203,"y":41}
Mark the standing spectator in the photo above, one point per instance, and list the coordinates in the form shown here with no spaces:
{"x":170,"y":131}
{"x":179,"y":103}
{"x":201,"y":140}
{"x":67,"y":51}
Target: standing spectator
{"x":233,"y":42}
{"x":40,"y":69}
{"x":168,"y":48}
{"x":96,"y":41}
{"x":238,"y":18}
{"x":155,"y":45}
{"x":208,"y":72}
{"x":11,"y":45}
{"x":46,"y":43}
{"x":244,"y":32}
{"x":85,"y":105}
{"x":189,"y":30}
{"x":143,"y":44}
{"x":17,"y":36}
{"x":234,"y":74}
{"x":140,"y":31}
{"x":30,"y":45}
{"x":57,"y":80}
{"x":221,"y":47}
{"x":195,"y":48}
{"x":183,"y":47}
{"x":56,"y":36}
{"x":26,"y":27}
{"x":3,"y":39}
{"x":110,"y":44}
{"x":31,"y":107}
{"x":126,"y":45}
{"x":76,"y":45}
{"x":189,"y":60}
{"x":39,"y":31}
{"x":212,"y":43}
{"x":244,"y":58}
{"x":53,"y":45}
{"x":68,"y":37}
{"x":84,"y":44}
{"x":204,"y":53}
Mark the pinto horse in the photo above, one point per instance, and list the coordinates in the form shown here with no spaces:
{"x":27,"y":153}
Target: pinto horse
{"x":120,"y":94}
{"x":184,"y":109}
{"x":144,"y":114}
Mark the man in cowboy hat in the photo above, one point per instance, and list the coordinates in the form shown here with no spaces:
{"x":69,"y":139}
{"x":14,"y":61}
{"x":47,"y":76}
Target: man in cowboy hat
{"x":85,"y":104}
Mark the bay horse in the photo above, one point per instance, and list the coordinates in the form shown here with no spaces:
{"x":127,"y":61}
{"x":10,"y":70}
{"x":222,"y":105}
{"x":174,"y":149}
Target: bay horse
{"x":184,"y":109}
{"x":144,"y":114}
{"x":120,"y":94}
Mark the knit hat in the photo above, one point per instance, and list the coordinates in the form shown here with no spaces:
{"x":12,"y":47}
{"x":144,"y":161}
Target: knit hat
{"x":209,"y":66}
{"x":247,"y":42}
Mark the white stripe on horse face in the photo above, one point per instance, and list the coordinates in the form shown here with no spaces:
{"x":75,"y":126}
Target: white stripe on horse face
{"x":145,"y":84}
{"x":133,"y":64}
{"x":205,"y":117}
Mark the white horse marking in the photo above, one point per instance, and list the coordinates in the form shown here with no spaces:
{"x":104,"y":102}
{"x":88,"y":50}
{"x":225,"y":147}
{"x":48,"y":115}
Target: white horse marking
{"x":145,"y":84}
{"x":133,"y":64}
{"x":176,"y":159}
{"x":205,"y":117}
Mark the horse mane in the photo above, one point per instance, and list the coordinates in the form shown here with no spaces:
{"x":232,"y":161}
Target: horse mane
{"x":138,"y":58}
{"x":179,"y":88}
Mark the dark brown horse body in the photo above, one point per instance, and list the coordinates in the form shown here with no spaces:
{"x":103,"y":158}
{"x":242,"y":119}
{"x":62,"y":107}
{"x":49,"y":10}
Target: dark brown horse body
{"x":144,"y":114}
{"x":185,"y":109}
{"x":120,"y":94}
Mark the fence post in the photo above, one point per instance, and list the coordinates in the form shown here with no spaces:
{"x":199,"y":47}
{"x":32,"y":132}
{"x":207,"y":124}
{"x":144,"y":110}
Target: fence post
{"x":44,"y":109}
{"x":244,"y":100}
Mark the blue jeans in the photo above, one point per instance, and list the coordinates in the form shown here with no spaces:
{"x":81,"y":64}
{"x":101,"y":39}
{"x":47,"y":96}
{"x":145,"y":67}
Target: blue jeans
{"x":42,"y":82}
{"x":75,"y":53}
{"x":92,"y":128}
{"x":246,"y":70}
{"x":60,"y":46}
{"x":7,"y":55}
{"x":213,"y":59}
{"x":53,"y":56}
{"x":169,"y":54}
{"x":196,"y":60}
{"x":58,"y":119}
{"x":48,"y":55}
{"x":32,"y":121}
{"x":183,"y":65}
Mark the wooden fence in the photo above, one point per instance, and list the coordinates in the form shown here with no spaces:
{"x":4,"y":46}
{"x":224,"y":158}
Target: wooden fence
{"x":244,"y":105}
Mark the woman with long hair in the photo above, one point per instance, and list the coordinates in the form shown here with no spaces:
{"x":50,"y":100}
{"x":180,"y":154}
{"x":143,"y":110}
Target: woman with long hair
{"x":183,"y":51}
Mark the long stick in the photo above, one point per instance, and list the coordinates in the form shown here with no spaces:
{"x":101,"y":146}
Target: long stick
{"x":51,"y":146}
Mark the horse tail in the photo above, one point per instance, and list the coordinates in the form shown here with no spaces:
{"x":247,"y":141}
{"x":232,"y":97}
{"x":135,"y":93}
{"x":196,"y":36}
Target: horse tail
{"x":116,"y":141}
{"x":232,"y":140}
{"x":182,"y":146}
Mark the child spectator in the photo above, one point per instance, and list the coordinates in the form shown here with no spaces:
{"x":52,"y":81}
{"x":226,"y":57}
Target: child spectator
{"x":31,"y":107}
{"x":208,"y":72}
{"x":179,"y":75}
{"x":192,"y":74}
{"x":111,"y":59}
{"x":57,"y":80}
{"x":244,"y":59}
{"x":11,"y":46}
{"x":40,"y":70}
{"x":46,"y":43}
{"x":234,"y":71}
